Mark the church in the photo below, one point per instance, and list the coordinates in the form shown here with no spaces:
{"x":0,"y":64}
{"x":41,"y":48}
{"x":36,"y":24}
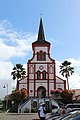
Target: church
{"x":41,"y":69}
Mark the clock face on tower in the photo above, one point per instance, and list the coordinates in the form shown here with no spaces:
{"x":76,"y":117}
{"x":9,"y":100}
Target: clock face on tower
{"x":41,"y":67}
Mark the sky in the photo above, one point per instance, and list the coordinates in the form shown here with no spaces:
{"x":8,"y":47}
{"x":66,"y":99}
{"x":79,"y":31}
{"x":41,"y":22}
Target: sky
{"x":19,"y":24}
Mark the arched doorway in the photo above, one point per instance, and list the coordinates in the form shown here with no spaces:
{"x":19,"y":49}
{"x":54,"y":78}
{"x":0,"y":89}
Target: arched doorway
{"x":41,"y":92}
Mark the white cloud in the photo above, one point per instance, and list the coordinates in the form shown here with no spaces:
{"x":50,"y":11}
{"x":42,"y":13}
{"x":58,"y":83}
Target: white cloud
{"x":5,"y":70}
{"x":13,"y":43}
{"x":5,"y":77}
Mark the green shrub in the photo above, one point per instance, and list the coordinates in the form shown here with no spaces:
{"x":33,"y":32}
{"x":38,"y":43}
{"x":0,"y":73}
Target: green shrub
{"x":34,"y":110}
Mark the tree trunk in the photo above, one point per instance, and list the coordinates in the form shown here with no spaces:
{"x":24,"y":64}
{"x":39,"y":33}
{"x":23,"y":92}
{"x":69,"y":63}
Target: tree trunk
{"x":17,"y":86}
{"x":67,"y":83}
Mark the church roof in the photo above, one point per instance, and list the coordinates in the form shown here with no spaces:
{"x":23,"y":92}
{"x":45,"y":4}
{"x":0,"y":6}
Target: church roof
{"x":41,"y":36}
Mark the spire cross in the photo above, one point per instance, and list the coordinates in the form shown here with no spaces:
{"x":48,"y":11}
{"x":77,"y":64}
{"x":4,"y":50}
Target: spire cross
{"x":41,"y":15}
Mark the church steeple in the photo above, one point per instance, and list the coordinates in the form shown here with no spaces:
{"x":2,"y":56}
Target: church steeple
{"x":41,"y":35}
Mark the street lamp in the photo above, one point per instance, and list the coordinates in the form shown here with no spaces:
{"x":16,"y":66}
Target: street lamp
{"x":6,"y":98}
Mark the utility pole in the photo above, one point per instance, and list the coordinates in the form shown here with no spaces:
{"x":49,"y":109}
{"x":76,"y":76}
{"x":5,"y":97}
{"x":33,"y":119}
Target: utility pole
{"x":6,"y":97}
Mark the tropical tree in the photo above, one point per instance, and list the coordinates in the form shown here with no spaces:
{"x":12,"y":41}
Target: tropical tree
{"x":18,"y":73}
{"x":66,"y":70}
{"x":62,"y":96}
{"x":67,"y":96}
{"x":18,"y":95}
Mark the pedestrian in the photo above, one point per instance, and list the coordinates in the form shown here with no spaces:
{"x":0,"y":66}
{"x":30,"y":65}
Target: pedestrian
{"x":62,"y":111}
{"x":42,"y":111}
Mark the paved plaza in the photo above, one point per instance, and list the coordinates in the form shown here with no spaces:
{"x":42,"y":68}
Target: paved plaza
{"x":24,"y":116}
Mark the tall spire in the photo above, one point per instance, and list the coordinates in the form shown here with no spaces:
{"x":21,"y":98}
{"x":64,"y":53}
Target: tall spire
{"x":41,"y":36}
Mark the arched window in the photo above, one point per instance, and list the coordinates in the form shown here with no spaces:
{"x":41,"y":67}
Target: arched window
{"x":44,"y":75}
{"x":44,"y":56}
{"x":41,"y":56}
{"x":38,"y":75}
{"x":38,"y":56}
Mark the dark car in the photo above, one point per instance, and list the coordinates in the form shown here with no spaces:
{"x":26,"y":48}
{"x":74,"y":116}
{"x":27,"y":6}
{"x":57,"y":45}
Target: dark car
{"x":70,"y":115}
{"x":76,"y":118}
{"x":67,"y":116}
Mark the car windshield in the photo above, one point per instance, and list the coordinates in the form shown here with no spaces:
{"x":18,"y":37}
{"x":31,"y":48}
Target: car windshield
{"x":73,"y":106}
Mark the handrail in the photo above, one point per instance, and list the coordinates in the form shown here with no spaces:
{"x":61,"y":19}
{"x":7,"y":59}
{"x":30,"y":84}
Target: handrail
{"x":23,"y":101}
{"x":22,"y":104}
{"x":57,"y":101}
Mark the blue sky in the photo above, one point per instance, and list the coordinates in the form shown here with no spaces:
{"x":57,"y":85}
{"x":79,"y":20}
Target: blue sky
{"x":19,"y":23}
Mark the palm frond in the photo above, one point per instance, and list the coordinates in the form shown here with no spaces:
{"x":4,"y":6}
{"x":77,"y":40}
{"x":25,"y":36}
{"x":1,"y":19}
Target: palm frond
{"x":66,"y":70}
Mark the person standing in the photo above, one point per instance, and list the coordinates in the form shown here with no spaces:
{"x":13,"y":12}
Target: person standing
{"x":42,"y":111}
{"x":62,"y":111}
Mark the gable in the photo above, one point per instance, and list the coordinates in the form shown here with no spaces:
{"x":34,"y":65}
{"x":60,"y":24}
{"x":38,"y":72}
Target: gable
{"x":23,"y":81}
{"x":59,"y":80}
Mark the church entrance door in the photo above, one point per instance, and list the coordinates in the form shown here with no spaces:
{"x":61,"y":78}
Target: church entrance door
{"x":41,"y":92}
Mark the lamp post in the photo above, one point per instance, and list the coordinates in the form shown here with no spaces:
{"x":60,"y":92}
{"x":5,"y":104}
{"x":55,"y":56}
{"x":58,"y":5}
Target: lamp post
{"x":6,"y":98}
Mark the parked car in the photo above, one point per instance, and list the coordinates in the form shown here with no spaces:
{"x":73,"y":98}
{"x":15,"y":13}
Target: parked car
{"x":71,"y":111}
{"x":72,"y":106}
{"x":67,"y":116}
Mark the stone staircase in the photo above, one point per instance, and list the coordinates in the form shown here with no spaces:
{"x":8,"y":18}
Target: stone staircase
{"x":28,"y":104}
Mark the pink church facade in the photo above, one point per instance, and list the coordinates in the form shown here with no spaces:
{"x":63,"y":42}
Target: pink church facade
{"x":41,"y":70}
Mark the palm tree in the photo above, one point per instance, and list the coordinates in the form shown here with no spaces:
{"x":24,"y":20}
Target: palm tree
{"x":18,"y":73}
{"x":66,"y":70}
